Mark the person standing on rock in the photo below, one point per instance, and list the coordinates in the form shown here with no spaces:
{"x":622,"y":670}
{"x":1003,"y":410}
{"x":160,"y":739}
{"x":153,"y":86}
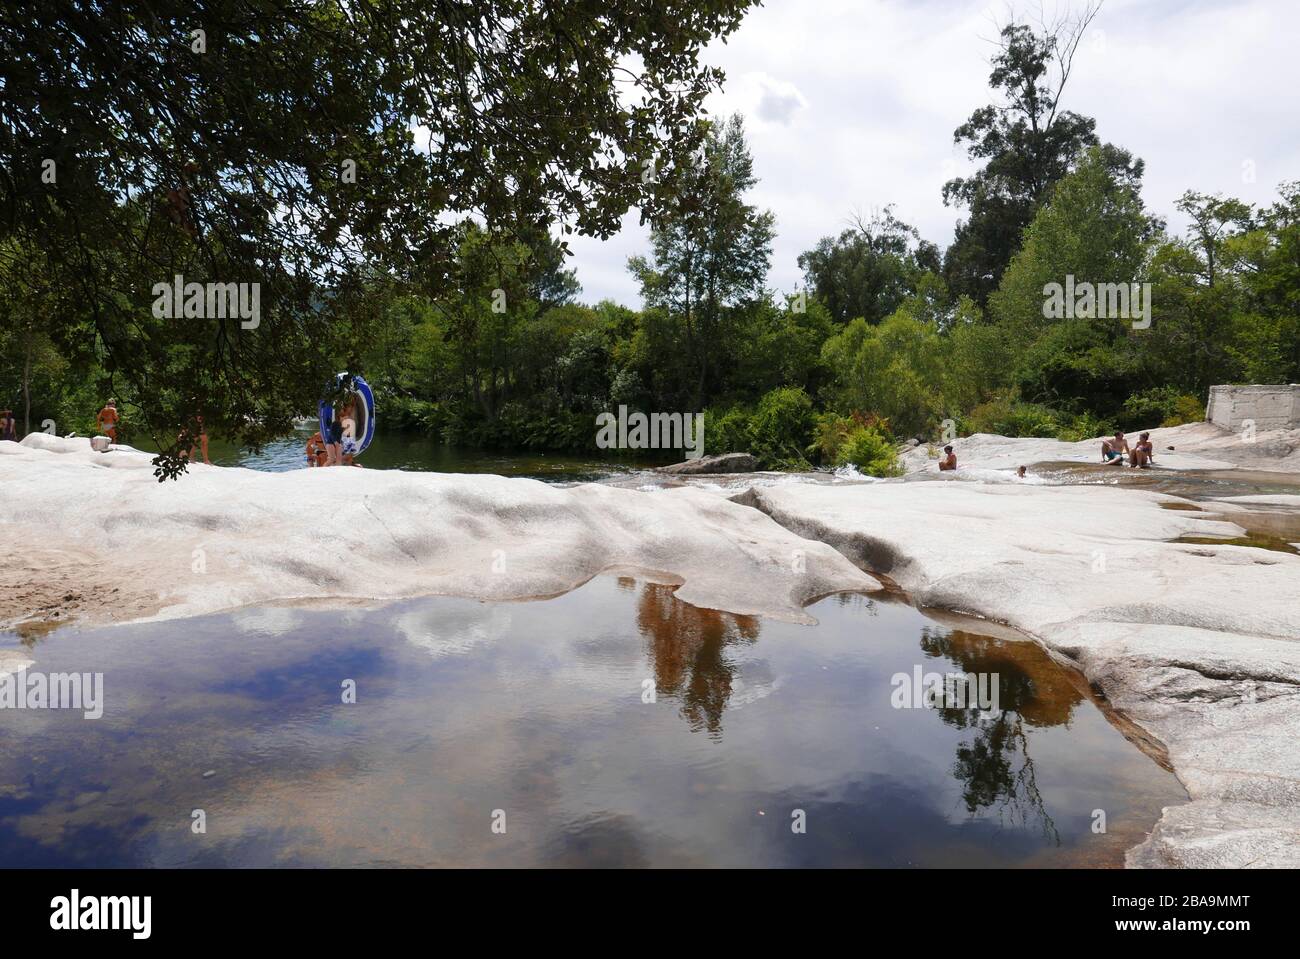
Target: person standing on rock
{"x":108,"y":419}
{"x":199,"y":439}
{"x":948,"y":462}
{"x":8,"y":426}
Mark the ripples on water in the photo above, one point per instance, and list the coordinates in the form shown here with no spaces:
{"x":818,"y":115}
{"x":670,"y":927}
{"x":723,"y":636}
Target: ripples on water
{"x":538,"y":710}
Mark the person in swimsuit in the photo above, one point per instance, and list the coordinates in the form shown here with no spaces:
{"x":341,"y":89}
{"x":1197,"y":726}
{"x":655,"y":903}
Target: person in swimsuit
{"x":1143,"y":454}
{"x":317,"y":452}
{"x":349,"y":423}
{"x":1021,"y":472}
{"x":948,"y":462}
{"x":8,"y":426}
{"x":108,"y":419}
{"x":200,"y":432}
{"x":1113,"y":450}
{"x":334,"y":442}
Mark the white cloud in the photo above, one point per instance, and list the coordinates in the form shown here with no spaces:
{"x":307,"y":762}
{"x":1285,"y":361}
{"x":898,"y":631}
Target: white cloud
{"x":851,"y":104}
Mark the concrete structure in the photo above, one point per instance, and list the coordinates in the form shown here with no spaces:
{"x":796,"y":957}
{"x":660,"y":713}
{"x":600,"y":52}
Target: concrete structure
{"x":1270,"y":407}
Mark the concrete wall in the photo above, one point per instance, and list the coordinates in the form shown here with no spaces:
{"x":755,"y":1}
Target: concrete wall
{"x":1271,"y":407}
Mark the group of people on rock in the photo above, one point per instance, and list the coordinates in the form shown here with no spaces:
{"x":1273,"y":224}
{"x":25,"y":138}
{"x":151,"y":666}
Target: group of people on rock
{"x":339,"y":449}
{"x":109,"y":421}
{"x":1141,"y":454}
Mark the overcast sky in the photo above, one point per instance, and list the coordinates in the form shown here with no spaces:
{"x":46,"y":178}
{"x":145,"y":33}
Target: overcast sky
{"x":851,"y":104}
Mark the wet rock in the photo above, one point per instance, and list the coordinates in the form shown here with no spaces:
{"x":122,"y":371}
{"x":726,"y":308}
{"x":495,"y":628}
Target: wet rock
{"x":722,"y":463}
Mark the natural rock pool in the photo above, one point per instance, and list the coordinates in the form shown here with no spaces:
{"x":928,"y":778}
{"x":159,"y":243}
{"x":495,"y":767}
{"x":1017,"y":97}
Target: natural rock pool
{"x":533,"y":718}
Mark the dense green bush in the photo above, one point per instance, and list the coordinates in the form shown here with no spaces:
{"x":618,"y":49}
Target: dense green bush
{"x":1160,"y":406}
{"x":1009,"y":417}
{"x":727,"y":431}
{"x":781,"y":428}
{"x":870,"y":451}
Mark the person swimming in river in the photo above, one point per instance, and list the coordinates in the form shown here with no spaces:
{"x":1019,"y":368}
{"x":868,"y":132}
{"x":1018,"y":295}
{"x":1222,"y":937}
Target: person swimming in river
{"x":1143,"y":453}
{"x":1113,"y":450}
{"x":948,"y":462}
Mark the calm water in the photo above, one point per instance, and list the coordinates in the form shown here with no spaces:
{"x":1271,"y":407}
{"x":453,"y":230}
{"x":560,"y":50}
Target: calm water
{"x":413,"y":451}
{"x":535,"y":712}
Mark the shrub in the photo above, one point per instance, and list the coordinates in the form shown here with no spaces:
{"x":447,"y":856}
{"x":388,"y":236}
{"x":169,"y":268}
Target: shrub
{"x":1008,"y":417}
{"x":726,"y":430}
{"x":781,"y":428}
{"x":830,"y":432}
{"x":1163,"y":405}
{"x":1086,"y":426}
{"x":870,"y":451}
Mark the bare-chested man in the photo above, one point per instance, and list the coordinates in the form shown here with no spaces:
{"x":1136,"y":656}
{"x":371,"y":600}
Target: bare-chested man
{"x":1113,"y":450}
{"x":948,"y":461}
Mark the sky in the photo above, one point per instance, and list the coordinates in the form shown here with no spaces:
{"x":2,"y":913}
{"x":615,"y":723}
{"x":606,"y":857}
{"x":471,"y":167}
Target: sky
{"x":851,"y":104}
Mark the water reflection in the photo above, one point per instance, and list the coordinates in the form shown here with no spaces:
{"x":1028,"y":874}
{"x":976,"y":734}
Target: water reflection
{"x":689,"y":648}
{"x":995,"y":767}
{"x":537,"y":709}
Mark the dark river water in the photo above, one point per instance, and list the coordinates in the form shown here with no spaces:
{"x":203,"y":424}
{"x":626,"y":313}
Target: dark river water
{"x":612,"y":726}
{"x":414,"y":451}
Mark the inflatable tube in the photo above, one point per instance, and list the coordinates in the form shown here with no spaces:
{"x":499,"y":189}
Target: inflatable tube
{"x":365,"y":410}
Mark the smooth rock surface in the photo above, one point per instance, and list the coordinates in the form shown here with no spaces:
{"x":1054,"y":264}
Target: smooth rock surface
{"x":1201,"y":446}
{"x":95,"y":535}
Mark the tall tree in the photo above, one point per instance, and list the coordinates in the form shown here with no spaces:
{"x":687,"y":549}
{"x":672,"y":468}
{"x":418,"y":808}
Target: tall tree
{"x":1026,"y":144}
{"x":867,"y":271}
{"x":711,"y":252}
{"x":303,"y":146}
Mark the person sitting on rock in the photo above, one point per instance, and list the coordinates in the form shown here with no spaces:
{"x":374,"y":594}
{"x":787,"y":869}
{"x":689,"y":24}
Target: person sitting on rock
{"x":948,"y":462}
{"x":1143,"y":454}
{"x":1021,"y":472}
{"x":1113,"y":450}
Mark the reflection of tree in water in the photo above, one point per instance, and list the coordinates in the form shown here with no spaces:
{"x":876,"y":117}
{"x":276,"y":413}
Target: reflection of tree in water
{"x":687,"y":645}
{"x":995,"y":767}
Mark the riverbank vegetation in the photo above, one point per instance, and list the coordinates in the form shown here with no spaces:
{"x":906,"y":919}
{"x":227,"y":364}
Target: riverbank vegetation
{"x":476,"y":331}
